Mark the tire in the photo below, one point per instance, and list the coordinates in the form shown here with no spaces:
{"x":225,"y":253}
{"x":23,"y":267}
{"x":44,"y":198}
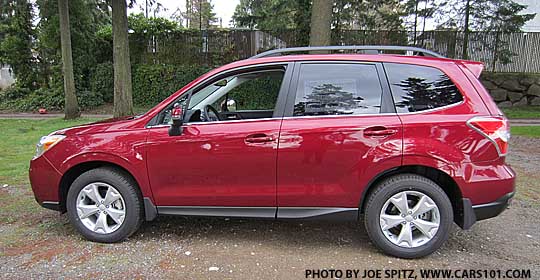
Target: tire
{"x":130,"y":202}
{"x":387,"y":195}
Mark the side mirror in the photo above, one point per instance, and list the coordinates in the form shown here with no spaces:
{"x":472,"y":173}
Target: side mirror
{"x":231,"y":105}
{"x":177,"y":117}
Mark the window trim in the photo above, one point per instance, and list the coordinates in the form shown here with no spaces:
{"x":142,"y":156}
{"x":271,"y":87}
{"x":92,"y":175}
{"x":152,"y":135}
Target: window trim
{"x":287,"y":67}
{"x":460,"y":91}
{"x":386,"y":105}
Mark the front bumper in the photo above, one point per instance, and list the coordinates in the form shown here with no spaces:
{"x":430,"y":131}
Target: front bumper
{"x":472,"y":214}
{"x":45,"y":181}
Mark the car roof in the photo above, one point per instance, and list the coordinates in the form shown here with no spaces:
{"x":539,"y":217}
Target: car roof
{"x":407,"y":59}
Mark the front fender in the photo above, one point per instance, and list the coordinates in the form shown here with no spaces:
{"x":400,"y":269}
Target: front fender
{"x":125,"y":149}
{"x":137,"y":168}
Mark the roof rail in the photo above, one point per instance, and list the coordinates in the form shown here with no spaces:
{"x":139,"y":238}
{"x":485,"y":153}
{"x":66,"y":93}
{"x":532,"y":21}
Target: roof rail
{"x":370,"y":49}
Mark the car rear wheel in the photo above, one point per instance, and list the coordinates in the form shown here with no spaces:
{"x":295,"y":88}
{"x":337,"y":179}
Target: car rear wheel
{"x":408,"y":216}
{"x":104,"y":205}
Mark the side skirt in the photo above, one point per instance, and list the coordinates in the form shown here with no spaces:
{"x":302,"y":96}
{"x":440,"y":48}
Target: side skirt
{"x":318,"y":213}
{"x":286,"y":213}
{"x":218,"y":211}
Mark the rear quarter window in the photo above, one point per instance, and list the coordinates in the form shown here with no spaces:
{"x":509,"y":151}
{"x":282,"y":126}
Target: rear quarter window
{"x":418,"y":88}
{"x":338,"y":89}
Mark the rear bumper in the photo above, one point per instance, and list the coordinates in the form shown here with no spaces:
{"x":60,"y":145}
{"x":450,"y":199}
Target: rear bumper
{"x":490,"y":210}
{"x":472,"y":214}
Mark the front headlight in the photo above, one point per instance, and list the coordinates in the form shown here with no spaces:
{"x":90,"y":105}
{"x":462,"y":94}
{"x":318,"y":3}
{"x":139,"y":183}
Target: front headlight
{"x":46,"y":142}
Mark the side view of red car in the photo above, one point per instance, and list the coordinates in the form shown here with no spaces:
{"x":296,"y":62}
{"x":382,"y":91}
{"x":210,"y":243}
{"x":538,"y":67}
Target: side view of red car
{"x":409,"y":142}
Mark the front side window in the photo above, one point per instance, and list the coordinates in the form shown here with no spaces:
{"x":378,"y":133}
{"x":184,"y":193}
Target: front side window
{"x":418,"y":88}
{"x":250,"y":95}
{"x":337,"y":89}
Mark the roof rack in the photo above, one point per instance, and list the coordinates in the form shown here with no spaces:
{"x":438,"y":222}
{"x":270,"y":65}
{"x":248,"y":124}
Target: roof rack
{"x":365,"y":49}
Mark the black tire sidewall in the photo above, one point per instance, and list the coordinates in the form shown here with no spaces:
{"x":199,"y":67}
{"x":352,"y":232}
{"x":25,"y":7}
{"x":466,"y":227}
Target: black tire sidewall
{"x":398,"y":184}
{"x":126,"y":188}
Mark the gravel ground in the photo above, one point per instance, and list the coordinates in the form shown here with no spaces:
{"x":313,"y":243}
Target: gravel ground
{"x":37,"y":243}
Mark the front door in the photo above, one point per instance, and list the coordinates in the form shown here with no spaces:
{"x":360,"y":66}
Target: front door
{"x":222,"y":159}
{"x":340,"y":129}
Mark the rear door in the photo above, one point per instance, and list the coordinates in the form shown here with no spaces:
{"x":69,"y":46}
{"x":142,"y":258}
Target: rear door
{"x":339,"y":131}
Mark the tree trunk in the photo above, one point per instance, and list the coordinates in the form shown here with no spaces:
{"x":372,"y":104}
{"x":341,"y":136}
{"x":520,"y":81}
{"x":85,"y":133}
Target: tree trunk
{"x":415,"y":20}
{"x":424,"y":23}
{"x":321,"y":20}
{"x":71,"y":106}
{"x":123,"y":102}
{"x":465,"y":54}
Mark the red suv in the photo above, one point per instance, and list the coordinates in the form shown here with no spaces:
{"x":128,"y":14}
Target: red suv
{"x":411,"y":142}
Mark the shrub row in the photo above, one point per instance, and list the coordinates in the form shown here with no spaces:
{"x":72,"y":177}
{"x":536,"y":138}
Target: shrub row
{"x":23,"y":99}
{"x":151,"y":84}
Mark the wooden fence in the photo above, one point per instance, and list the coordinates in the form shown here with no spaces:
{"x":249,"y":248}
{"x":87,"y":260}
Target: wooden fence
{"x":501,"y":52}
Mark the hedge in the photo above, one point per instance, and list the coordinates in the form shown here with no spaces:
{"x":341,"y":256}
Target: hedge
{"x":151,"y":84}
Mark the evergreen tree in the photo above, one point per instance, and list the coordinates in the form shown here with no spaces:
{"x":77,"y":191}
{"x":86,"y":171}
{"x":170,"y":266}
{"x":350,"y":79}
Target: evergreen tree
{"x":123,"y":99}
{"x":199,"y":14}
{"x":88,"y":16}
{"x":16,"y":44}
{"x":71,"y":106}
{"x":486,"y":15}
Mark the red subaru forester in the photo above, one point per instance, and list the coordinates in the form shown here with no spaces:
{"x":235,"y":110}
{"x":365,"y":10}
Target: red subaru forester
{"x":410,"y":141}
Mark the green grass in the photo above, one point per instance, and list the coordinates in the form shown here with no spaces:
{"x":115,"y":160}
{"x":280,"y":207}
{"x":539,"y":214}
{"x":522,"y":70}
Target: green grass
{"x":530,"y":131}
{"x":18,"y":140}
{"x":527,"y":112}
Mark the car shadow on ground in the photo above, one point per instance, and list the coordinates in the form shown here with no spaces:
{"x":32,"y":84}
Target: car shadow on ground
{"x":314,"y":233}
{"x":274,"y":233}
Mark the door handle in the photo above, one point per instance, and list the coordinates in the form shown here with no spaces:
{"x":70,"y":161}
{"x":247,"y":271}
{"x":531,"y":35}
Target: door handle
{"x":259,"y":138}
{"x":378,"y":131}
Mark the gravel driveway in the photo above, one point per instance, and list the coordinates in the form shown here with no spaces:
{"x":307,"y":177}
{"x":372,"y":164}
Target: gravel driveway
{"x":39,"y":243}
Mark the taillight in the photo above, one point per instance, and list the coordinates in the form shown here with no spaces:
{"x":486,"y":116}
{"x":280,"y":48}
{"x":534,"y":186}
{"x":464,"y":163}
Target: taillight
{"x":495,"y":129}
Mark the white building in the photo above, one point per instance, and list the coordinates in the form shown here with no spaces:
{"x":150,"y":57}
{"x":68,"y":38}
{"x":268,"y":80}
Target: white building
{"x":6,"y":77}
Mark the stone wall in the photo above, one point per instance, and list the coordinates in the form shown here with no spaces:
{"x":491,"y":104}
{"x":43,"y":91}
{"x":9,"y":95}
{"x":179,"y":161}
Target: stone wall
{"x":513,"y":89}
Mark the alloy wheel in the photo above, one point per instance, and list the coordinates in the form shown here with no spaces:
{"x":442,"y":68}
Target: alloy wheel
{"x":101,"y":208}
{"x":409,"y":219}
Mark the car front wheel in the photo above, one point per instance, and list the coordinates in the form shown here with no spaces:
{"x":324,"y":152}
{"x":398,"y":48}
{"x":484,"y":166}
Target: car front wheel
{"x":408,"y":216}
{"x":104,"y":205}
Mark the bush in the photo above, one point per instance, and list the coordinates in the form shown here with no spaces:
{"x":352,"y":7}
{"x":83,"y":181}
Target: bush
{"x":13,"y":93}
{"x":51,"y":99}
{"x":153,"y":83}
{"x":102,"y":81}
{"x":89,"y":99}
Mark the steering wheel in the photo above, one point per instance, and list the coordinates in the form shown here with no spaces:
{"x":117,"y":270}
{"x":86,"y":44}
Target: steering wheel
{"x":210,"y":114}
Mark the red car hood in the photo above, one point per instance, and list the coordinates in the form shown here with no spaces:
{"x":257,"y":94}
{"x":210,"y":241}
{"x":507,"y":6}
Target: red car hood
{"x":99,"y":126}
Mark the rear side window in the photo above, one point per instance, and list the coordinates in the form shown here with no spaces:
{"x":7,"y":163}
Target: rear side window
{"x":418,"y":88}
{"x":337,"y":89}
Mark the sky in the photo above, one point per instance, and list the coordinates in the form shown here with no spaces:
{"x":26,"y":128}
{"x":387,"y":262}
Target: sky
{"x":533,"y":6}
{"x":224,"y":9}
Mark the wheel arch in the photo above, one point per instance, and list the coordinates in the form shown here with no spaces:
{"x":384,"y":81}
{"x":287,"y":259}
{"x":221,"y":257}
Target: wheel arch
{"x":75,"y":171}
{"x":440,"y":177}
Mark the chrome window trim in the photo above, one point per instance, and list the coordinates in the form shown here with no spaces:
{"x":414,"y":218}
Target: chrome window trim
{"x":320,"y":116}
{"x":434,"y":109}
